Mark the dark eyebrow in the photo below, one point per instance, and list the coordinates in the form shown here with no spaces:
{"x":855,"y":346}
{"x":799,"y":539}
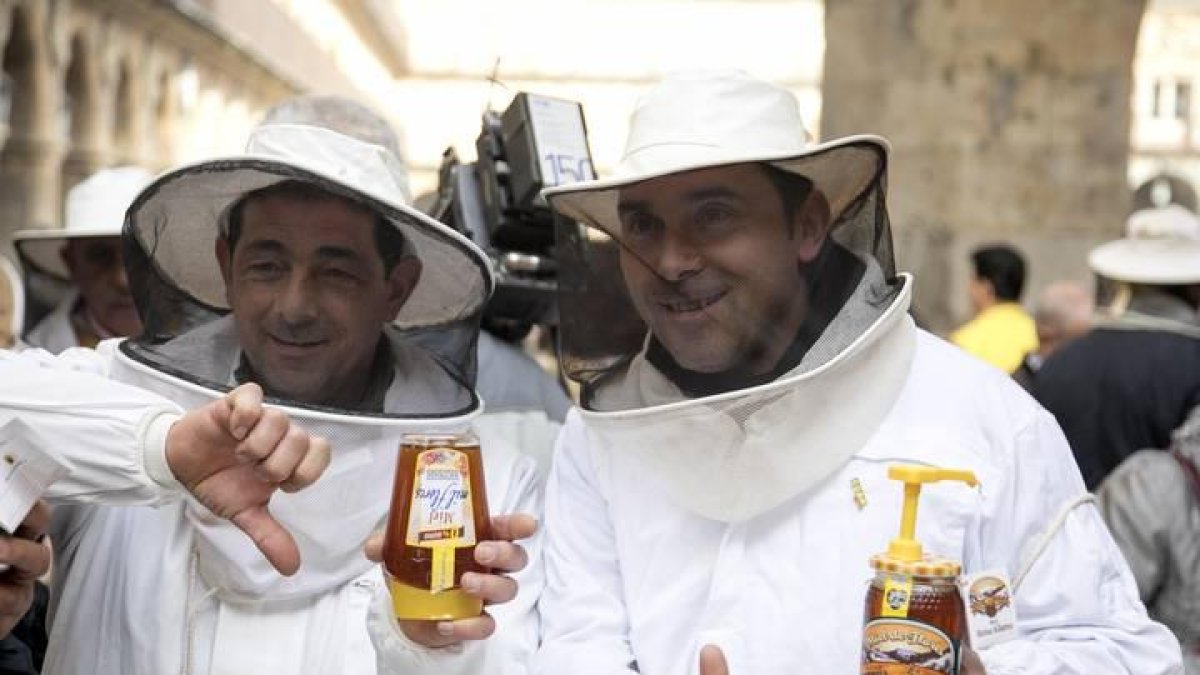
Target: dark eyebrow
{"x":697,"y":195}
{"x":324,"y":253}
{"x":717,"y":192}
{"x":632,"y":206}
{"x":264,"y":246}
{"x":336,"y":253}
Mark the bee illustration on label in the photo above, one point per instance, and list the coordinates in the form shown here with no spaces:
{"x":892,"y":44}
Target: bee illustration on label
{"x":897,"y":598}
{"x":988,"y":595}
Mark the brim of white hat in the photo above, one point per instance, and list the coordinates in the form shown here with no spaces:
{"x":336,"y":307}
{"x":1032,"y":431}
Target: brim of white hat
{"x":41,"y":250}
{"x":1148,"y":261}
{"x":842,"y":169}
{"x":177,"y":218}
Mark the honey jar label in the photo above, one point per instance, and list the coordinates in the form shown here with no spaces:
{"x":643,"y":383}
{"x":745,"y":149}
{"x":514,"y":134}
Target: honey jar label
{"x":440,"y":517}
{"x":907,"y":647}
{"x":991,"y":615}
{"x":897,"y":592}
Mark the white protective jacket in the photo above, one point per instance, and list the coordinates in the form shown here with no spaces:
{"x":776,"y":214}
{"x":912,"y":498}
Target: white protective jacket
{"x":54,"y":332}
{"x":635,"y":583}
{"x":130,"y":600}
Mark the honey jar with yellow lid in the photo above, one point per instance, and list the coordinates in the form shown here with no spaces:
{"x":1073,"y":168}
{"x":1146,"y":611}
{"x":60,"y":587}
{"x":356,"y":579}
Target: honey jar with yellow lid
{"x":439,"y":513}
{"x":914,"y":622}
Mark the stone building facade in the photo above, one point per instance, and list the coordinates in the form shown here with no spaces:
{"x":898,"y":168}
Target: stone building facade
{"x":94,"y":83}
{"x":1003,"y":128}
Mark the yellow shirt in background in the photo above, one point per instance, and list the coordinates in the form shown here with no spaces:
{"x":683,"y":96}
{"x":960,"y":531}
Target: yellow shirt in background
{"x":1001,"y":335}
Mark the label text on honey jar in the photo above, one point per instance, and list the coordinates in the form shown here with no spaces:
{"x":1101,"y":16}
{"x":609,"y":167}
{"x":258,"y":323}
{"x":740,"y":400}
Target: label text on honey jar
{"x":906,"y":647}
{"x":440,"y":517}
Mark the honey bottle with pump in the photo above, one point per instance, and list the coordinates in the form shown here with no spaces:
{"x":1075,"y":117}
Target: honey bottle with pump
{"x":439,"y":513}
{"x":914,"y":622}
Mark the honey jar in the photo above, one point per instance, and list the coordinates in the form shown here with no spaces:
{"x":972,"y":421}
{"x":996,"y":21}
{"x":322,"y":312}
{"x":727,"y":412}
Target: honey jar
{"x":439,"y":513}
{"x":914,"y":621}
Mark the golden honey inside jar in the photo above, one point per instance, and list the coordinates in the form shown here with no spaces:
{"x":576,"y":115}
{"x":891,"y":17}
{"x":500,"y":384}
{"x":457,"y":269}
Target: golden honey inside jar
{"x":439,"y":513}
{"x":914,"y":622}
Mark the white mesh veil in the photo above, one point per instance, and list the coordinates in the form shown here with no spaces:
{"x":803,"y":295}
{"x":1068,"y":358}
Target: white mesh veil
{"x":601,"y":331}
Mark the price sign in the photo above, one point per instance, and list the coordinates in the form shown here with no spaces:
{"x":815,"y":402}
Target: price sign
{"x":561,"y":140}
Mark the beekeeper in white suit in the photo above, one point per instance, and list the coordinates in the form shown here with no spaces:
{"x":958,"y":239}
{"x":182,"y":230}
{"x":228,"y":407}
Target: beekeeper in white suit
{"x":320,"y":274}
{"x":87,"y":254}
{"x":717,"y":497}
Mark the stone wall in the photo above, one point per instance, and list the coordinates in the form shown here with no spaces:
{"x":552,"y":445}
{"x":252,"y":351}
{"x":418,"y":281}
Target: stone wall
{"x":95,"y":84}
{"x":1009,"y":121}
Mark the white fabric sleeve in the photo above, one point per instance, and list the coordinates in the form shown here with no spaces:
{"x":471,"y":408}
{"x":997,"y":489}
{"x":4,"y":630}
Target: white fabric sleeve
{"x":1078,"y":610}
{"x":585,"y":625}
{"x":112,"y":435}
{"x":509,"y":649}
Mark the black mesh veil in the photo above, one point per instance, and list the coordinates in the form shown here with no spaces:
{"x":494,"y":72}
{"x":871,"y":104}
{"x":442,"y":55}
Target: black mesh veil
{"x":837,"y":294}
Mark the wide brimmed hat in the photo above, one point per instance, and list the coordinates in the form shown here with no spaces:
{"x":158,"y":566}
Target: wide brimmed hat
{"x":706,"y":119}
{"x":94,"y":208}
{"x":177,"y":219}
{"x":1161,"y":246}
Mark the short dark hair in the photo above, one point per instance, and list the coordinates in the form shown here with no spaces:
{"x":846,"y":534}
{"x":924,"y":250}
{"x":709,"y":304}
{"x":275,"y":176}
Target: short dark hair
{"x":389,"y":241}
{"x":1003,"y":267}
{"x":793,"y":188}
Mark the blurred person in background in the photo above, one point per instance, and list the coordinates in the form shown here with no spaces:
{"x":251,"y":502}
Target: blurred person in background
{"x":1132,"y":379}
{"x":1000,"y":331}
{"x":1152,"y":505}
{"x":1063,"y":313}
{"x":87,"y":253}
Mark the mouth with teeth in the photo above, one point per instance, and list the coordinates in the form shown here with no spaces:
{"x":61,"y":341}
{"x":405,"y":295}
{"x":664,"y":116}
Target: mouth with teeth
{"x":690,"y":305}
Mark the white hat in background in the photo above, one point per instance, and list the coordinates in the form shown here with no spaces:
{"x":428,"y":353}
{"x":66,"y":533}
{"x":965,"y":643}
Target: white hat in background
{"x":1161,"y":246}
{"x":94,"y":208}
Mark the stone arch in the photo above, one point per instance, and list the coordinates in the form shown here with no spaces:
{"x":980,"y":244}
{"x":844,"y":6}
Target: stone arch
{"x":20,"y":73}
{"x":1165,"y":188}
{"x":87,"y":150}
{"x":29,"y":162}
{"x":125,"y":113}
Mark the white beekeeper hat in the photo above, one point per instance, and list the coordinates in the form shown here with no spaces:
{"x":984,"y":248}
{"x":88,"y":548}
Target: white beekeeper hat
{"x":705,"y":119}
{"x":177,"y":218}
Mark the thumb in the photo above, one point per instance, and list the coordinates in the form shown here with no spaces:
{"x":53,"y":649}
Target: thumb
{"x":270,"y":537}
{"x":244,"y":408}
{"x":712,"y":661}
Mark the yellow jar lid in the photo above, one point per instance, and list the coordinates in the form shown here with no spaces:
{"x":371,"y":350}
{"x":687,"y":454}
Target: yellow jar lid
{"x":927,"y":566}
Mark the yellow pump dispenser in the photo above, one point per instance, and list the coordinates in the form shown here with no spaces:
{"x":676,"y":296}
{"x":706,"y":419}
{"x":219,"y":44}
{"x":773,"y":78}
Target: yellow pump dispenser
{"x":914,"y":620}
{"x":906,"y":547}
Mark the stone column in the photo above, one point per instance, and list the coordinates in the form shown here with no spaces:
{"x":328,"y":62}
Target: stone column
{"x":30,"y":161}
{"x":1009,"y":121}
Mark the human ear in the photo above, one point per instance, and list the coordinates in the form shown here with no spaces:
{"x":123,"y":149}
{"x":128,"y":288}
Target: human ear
{"x":67,"y":255}
{"x":811,"y":225}
{"x":401,"y":282}
{"x":224,"y":260}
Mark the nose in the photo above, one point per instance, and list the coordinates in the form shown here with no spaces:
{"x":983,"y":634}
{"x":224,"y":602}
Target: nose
{"x":296,"y":302}
{"x":120,"y":280}
{"x":677,"y":257}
